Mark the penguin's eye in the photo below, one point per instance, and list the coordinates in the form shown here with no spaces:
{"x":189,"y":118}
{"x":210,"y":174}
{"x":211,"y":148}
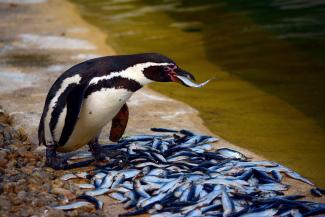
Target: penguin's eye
{"x":167,"y":69}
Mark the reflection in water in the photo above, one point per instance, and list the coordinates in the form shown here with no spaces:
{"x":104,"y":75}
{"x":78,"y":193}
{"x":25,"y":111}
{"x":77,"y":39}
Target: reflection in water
{"x":268,"y":57}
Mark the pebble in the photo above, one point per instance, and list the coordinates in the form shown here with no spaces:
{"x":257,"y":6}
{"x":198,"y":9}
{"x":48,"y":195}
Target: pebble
{"x":66,"y":193}
{"x":5,"y":204}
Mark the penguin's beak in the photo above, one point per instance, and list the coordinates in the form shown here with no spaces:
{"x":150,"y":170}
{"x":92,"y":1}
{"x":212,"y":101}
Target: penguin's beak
{"x":183,"y":73}
{"x":178,"y":72}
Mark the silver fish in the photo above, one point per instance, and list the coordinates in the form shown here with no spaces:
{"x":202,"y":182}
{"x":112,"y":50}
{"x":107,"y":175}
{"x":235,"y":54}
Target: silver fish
{"x":229,"y":153}
{"x":155,"y":179}
{"x":68,"y":176}
{"x":99,"y":175}
{"x":256,"y":163}
{"x":157,"y":172}
{"x":74,"y":205}
{"x":265,"y":213}
{"x":86,"y":186}
{"x":198,"y":190}
{"x":127,"y":184}
{"x":197,"y":150}
{"x":190,"y":83}
{"x":82,"y":175}
{"x":119,"y":178}
{"x":163,"y":147}
{"x":210,"y":207}
{"x":160,"y":157}
{"x":227,"y":203}
{"x":206,"y":200}
{"x":152,"y":200}
{"x":184,"y":196}
{"x":178,"y":158}
{"x":272,"y":187}
{"x":180,"y":190}
{"x":277,"y":175}
{"x":169,"y":186}
{"x":118,"y":196}
{"x":98,"y":203}
{"x":131,"y":195}
{"x":120,"y":189}
{"x":296,"y":213}
{"x":163,"y":214}
{"x":140,"y":190}
{"x":96,"y":192}
{"x":235,"y":183}
{"x":107,"y":180}
{"x":141,"y":165}
{"x":152,"y":186}
{"x":156,"y":143}
{"x":194,"y":213}
{"x":297,"y":176}
{"x":130,"y":173}
{"x":97,"y":183}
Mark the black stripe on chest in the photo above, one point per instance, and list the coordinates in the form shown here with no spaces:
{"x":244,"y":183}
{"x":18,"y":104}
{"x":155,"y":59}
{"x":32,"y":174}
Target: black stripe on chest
{"x":116,"y":83}
{"x":58,"y":108}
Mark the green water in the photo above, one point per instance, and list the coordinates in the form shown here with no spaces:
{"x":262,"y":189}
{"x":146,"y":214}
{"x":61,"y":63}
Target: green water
{"x":268,"y":57}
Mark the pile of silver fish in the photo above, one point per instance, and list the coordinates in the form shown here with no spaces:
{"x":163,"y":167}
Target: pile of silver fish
{"x":177,"y":173}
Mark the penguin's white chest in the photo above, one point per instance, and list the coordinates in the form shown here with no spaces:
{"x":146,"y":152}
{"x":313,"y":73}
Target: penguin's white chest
{"x":97,"y":110}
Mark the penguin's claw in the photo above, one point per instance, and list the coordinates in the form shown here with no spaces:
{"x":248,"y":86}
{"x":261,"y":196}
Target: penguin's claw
{"x":102,"y":154}
{"x":56,"y":163}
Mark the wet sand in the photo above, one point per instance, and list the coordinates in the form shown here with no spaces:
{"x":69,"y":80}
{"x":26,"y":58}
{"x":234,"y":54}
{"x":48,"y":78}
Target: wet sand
{"x":39,"y":41}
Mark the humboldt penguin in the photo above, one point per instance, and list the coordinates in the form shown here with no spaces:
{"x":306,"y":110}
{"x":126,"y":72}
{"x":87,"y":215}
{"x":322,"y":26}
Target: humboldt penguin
{"x":91,"y":94}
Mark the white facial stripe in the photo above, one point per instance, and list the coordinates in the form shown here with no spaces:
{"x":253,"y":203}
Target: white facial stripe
{"x":133,"y":72}
{"x":66,"y":82}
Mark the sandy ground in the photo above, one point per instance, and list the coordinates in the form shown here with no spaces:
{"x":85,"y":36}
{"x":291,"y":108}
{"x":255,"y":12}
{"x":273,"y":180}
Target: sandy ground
{"x":39,"y":41}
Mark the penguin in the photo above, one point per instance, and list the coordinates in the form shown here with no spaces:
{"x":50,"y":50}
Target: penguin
{"x":93,"y":93}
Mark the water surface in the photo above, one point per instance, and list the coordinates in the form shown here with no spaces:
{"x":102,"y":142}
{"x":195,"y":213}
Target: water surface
{"x":268,"y":57}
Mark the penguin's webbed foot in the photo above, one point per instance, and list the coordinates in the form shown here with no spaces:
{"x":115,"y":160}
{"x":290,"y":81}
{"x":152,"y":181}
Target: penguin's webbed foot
{"x":61,"y":162}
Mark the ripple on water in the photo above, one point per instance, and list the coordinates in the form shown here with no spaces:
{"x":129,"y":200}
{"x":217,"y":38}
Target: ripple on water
{"x":57,"y":68}
{"x":23,"y":1}
{"x":85,"y":56}
{"x":54,"y":42}
{"x":11,"y":79}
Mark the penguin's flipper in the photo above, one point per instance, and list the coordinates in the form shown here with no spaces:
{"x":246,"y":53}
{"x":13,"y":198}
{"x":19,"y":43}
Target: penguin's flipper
{"x":119,"y":123}
{"x":73,"y":102}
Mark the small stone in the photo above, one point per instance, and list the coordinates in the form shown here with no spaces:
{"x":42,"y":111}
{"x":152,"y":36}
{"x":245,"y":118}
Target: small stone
{"x":37,"y":202}
{"x":3,"y":163}
{"x":61,"y":191}
{"x":22,"y":195}
{"x":27,"y":170}
{"x":51,"y":212}
{"x":33,"y":187}
{"x":9,"y":187}
{"x":4,"y":203}
{"x":3,"y":153}
{"x":57,"y":183}
{"x":12,"y":163}
{"x":46,"y":187}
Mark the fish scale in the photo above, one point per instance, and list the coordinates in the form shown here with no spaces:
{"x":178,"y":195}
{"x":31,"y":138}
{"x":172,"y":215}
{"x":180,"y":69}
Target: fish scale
{"x":178,"y":175}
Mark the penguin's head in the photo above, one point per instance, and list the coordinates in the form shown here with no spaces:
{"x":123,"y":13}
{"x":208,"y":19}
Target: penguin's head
{"x":166,"y":70}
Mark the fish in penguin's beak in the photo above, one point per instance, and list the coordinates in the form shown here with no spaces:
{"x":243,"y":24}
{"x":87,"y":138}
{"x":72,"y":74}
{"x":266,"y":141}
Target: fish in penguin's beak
{"x":187,"y":79}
